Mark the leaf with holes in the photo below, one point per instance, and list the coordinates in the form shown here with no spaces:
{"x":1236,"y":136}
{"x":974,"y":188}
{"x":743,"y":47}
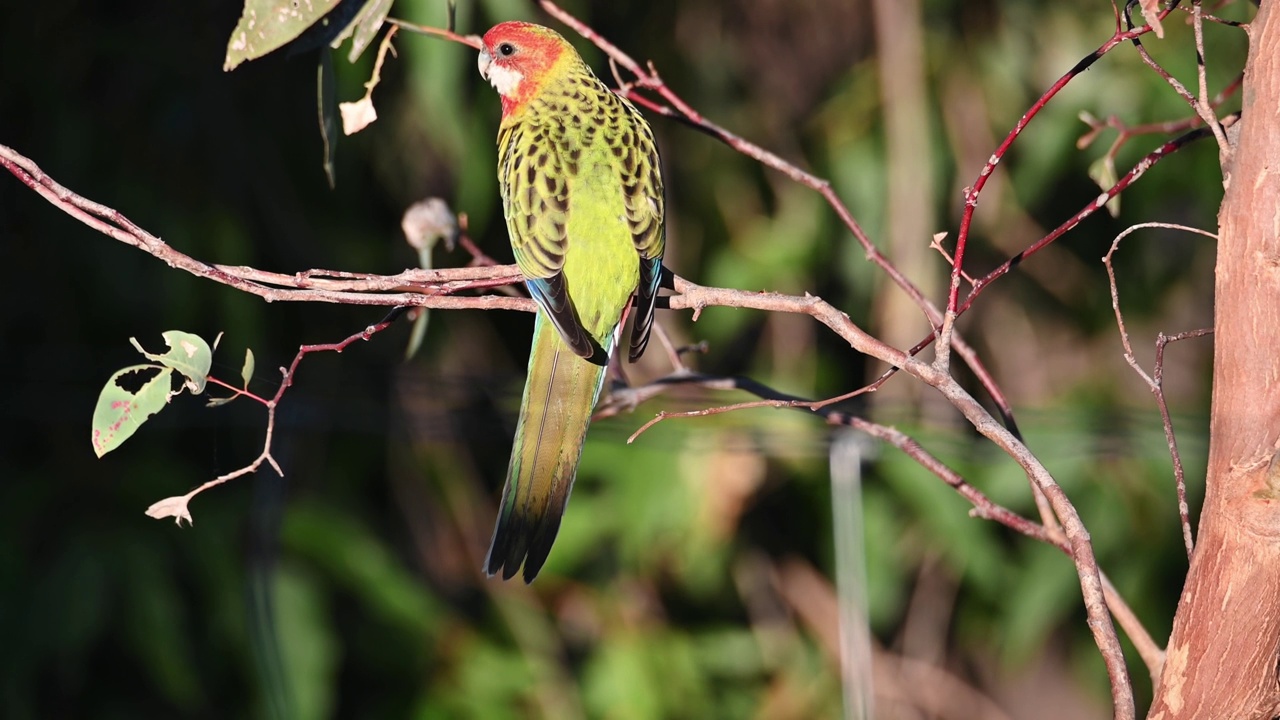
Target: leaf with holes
{"x":121,"y":411}
{"x":188,"y":354}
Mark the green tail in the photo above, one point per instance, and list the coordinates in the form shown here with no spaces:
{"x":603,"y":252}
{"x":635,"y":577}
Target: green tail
{"x":559,"y":396}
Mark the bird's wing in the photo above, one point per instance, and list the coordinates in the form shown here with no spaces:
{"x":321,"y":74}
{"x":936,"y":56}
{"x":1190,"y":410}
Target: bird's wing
{"x":642,"y":194}
{"x":535,"y":200}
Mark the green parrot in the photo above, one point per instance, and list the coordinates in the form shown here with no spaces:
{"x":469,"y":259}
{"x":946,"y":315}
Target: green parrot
{"x":582,"y":194}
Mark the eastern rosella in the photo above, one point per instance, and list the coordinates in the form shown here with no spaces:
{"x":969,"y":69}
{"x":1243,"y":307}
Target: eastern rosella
{"x":582,"y":194}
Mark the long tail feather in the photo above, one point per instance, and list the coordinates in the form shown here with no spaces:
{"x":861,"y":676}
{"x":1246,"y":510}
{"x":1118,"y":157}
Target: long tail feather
{"x":558,"y":399}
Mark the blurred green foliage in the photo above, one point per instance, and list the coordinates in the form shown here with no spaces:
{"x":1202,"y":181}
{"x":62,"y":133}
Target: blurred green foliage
{"x":351,"y":587}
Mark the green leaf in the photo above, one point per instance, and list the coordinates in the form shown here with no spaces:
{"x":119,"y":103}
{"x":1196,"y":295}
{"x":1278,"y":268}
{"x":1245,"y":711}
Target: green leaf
{"x":188,"y":354}
{"x":267,"y":25}
{"x":246,"y":372}
{"x":365,"y":26}
{"x":120,"y":412}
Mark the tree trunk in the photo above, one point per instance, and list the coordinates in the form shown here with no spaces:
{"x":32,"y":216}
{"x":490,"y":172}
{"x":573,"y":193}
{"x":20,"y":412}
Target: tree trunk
{"x":1223,"y":653}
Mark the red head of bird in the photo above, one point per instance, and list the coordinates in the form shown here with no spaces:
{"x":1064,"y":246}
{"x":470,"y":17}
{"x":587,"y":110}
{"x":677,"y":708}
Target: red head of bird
{"x":518,"y":58}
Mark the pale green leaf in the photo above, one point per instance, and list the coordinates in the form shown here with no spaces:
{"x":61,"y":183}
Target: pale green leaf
{"x":188,"y":354}
{"x":365,"y":26}
{"x":120,"y":412}
{"x":266,"y":25}
{"x":246,"y":372}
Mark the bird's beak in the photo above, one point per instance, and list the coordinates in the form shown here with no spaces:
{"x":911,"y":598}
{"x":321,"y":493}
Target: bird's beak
{"x":483,"y":62}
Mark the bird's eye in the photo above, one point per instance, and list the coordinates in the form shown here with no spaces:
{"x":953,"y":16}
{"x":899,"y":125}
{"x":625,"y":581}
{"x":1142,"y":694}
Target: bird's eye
{"x":506,"y":49}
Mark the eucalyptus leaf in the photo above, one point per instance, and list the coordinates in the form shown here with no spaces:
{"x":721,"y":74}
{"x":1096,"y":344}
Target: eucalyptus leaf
{"x":364,"y":27}
{"x":120,"y":412}
{"x":246,"y":372}
{"x":267,"y":25}
{"x":188,"y":354}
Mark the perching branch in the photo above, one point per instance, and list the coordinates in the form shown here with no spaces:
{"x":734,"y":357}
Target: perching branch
{"x":422,"y":288}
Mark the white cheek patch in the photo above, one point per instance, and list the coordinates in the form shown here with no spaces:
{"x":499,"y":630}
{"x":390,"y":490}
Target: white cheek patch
{"x":504,"y":80}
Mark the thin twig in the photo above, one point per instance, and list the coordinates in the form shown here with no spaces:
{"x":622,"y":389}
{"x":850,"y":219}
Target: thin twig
{"x":983,"y":506}
{"x":473,"y":41}
{"x":972,"y":193}
{"x":673,"y":354}
{"x":1141,"y":167}
{"x":1179,"y":475}
{"x":1203,"y":107}
{"x":177,"y":507}
{"x":1154,"y":383}
{"x":695,"y":296}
